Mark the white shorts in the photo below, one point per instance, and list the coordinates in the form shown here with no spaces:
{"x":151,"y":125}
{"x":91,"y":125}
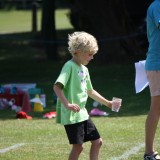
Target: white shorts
{"x":154,"y":82}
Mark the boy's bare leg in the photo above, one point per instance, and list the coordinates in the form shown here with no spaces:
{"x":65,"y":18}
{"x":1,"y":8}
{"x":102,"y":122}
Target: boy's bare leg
{"x":95,"y":147}
{"x":75,"y":152}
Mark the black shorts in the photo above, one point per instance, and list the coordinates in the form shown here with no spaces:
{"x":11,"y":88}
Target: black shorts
{"x":79,"y":133}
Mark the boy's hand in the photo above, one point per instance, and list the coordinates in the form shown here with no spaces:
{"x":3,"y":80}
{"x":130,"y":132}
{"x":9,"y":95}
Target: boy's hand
{"x":73,"y":107}
{"x":110,"y":104}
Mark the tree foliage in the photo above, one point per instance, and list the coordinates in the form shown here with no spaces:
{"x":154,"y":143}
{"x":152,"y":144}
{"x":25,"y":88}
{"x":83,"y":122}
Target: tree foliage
{"x":117,"y":24}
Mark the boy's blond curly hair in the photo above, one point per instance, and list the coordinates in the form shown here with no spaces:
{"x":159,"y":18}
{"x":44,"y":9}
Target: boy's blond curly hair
{"x":83,"y":42}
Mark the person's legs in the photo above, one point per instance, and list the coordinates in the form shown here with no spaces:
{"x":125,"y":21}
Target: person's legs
{"x":95,"y":147}
{"x":83,"y":132}
{"x":75,"y":152}
{"x":151,"y":124}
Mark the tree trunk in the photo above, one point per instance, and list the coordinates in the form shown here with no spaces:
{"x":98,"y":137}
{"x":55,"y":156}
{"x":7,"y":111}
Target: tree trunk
{"x":48,"y":29}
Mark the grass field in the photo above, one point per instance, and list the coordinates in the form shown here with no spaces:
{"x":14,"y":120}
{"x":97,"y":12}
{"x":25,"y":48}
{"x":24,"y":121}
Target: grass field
{"x":43,"y":139}
{"x":13,"y":21}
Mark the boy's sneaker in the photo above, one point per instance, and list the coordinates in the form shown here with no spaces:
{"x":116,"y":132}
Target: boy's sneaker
{"x":154,"y":156}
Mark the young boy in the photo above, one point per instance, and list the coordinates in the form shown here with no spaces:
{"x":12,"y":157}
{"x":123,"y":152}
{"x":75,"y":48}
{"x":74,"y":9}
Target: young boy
{"x":72,"y":88}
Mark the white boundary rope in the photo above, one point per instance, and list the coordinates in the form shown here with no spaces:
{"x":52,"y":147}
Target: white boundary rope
{"x":11,"y":147}
{"x":132,"y":151}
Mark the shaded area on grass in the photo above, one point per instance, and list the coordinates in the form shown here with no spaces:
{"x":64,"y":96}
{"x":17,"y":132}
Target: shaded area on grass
{"x":22,"y":61}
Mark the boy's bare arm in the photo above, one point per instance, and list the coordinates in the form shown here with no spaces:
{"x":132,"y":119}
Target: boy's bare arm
{"x":59,"y":92}
{"x":58,"y":89}
{"x":97,"y":97}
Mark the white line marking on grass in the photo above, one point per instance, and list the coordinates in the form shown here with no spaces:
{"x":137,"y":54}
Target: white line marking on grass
{"x":126,"y":154}
{"x":11,"y":147}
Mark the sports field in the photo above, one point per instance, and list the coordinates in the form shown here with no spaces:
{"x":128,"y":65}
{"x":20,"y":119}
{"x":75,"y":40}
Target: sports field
{"x":39,"y":139}
{"x":43,"y":139}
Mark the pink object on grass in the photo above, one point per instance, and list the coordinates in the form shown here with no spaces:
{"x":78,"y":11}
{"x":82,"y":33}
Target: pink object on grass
{"x":49,"y":115}
{"x":97,"y":112}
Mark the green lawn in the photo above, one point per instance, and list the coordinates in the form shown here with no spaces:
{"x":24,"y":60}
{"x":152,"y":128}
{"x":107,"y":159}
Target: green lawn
{"x":20,"y":21}
{"x":43,"y":139}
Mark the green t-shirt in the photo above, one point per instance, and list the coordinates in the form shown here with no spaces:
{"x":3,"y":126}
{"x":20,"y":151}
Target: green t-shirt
{"x":76,"y":81}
